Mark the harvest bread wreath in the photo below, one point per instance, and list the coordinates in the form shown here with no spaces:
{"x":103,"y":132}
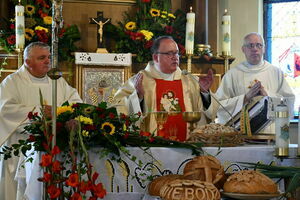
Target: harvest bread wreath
{"x":216,"y":135}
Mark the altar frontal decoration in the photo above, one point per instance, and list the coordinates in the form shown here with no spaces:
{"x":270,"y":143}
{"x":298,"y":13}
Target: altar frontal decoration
{"x":81,"y":126}
{"x":216,"y":135}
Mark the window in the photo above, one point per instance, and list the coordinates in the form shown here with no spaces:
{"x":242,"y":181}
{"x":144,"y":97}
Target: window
{"x":282,"y":35}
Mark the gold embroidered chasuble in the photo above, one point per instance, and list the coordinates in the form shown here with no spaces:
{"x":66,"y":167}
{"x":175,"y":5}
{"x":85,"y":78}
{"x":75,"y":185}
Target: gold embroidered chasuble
{"x":126,"y":99}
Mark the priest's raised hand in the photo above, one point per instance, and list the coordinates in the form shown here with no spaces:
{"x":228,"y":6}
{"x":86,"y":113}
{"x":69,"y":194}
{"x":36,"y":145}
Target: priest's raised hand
{"x":205,"y":82}
{"x":138,"y":84}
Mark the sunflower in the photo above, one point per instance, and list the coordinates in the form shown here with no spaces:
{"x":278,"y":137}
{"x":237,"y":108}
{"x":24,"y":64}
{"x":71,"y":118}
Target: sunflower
{"x":29,"y":33}
{"x":130,"y":26}
{"x":148,"y":35}
{"x":47,"y":20}
{"x":154,"y":12}
{"x":29,"y":9}
{"x":88,"y":110}
{"x":108,"y":128}
{"x":40,"y":28}
{"x":61,"y":109}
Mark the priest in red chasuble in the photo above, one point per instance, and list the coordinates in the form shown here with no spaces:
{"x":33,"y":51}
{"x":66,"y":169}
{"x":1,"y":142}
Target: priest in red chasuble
{"x":162,"y":86}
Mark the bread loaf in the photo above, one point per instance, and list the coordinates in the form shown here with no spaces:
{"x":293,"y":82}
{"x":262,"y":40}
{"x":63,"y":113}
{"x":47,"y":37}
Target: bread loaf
{"x":181,"y":189}
{"x":156,"y":184}
{"x":250,"y":182}
{"x":204,"y":168}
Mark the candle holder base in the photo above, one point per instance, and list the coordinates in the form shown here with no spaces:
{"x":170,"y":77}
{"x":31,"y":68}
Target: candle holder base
{"x":282,"y":152}
{"x":20,"y":56}
{"x":189,"y":63}
{"x":226,"y":55}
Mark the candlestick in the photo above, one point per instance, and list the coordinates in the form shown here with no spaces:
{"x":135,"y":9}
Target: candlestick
{"x":282,"y":129}
{"x":20,"y":26}
{"x":226,"y":34}
{"x":189,"y":33}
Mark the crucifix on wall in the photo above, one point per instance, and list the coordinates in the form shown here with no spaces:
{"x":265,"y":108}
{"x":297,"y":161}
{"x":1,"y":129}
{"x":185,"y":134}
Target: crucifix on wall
{"x":100,"y":21}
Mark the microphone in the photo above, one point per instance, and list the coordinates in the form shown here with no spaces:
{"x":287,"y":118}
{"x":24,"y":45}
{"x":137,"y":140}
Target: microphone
{"x":185,"y":72}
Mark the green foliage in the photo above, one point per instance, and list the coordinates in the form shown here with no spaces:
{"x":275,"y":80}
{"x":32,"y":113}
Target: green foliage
{"x":38,"y":27}
{"x":135,"y":34}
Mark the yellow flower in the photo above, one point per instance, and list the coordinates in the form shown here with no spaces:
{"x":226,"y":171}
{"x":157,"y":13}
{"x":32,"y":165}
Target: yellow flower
{"x":124,"y":127}
{"x":85,"y":120}
{"x":47,"y":20}
{"x":148,"y":35}
{"x":171,"y":15}
{"x":164,"y":14}
{"x":130,"y":26}
{"x":154,"y":12}
{"x":108,"y":128}
{"x":85,"y":133}
{"x":29,"y":9}
{"x":29,"y":33}
{"x":61,"y":109}
{"x":40,"y":28}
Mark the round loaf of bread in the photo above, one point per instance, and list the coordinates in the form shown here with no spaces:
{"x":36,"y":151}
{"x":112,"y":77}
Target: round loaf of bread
{"x":250,"y":182}
{"x":189,"y":190}
{"x":156,"y":184}
{"x":204,"y":168}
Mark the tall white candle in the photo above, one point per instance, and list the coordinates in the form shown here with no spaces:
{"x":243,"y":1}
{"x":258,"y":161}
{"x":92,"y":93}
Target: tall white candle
{"x":20,"y":27}
{"x":189,"y":33}
{"x":226,"y":34}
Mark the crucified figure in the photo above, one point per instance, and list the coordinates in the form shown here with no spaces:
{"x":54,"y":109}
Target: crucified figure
{"x":100,"y":30}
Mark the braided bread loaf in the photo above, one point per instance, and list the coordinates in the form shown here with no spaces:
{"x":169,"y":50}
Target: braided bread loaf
{"x":205,"y":168}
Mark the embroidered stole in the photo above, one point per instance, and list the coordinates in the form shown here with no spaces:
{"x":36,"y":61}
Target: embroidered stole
{"x":169,"y":97}
{"x":245,"y":121}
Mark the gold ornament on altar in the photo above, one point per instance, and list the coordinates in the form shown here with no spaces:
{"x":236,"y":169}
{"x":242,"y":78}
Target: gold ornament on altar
{"x":161,"y":118}
{"x":192,"y":118}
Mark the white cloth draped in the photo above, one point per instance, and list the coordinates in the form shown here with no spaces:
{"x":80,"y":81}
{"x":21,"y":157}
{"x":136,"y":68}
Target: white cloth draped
{"x":18,"y":96}
{"x":235,"y":84}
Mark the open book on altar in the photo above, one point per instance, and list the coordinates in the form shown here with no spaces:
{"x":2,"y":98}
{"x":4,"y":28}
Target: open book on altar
{"x":261,"y":112}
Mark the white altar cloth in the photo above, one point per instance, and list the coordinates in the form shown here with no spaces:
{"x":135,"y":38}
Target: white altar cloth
{"x":112,"y":59}
{"x":120,"y":185}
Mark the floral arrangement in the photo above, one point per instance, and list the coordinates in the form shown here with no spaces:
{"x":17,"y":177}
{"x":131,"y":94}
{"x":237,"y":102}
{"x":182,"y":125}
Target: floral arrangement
{"x":82,"y":126}
{"x":152,"y":18}
{"x":38,"y":23}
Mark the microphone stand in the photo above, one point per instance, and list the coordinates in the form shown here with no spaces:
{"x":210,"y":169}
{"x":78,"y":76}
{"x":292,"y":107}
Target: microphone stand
{"x":230,"y":122}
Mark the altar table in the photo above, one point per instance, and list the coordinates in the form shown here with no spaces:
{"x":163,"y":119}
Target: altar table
{"x":117,"y":177}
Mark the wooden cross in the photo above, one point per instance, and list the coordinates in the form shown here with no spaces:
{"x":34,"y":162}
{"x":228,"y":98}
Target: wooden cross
{"x":100,"y":21}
